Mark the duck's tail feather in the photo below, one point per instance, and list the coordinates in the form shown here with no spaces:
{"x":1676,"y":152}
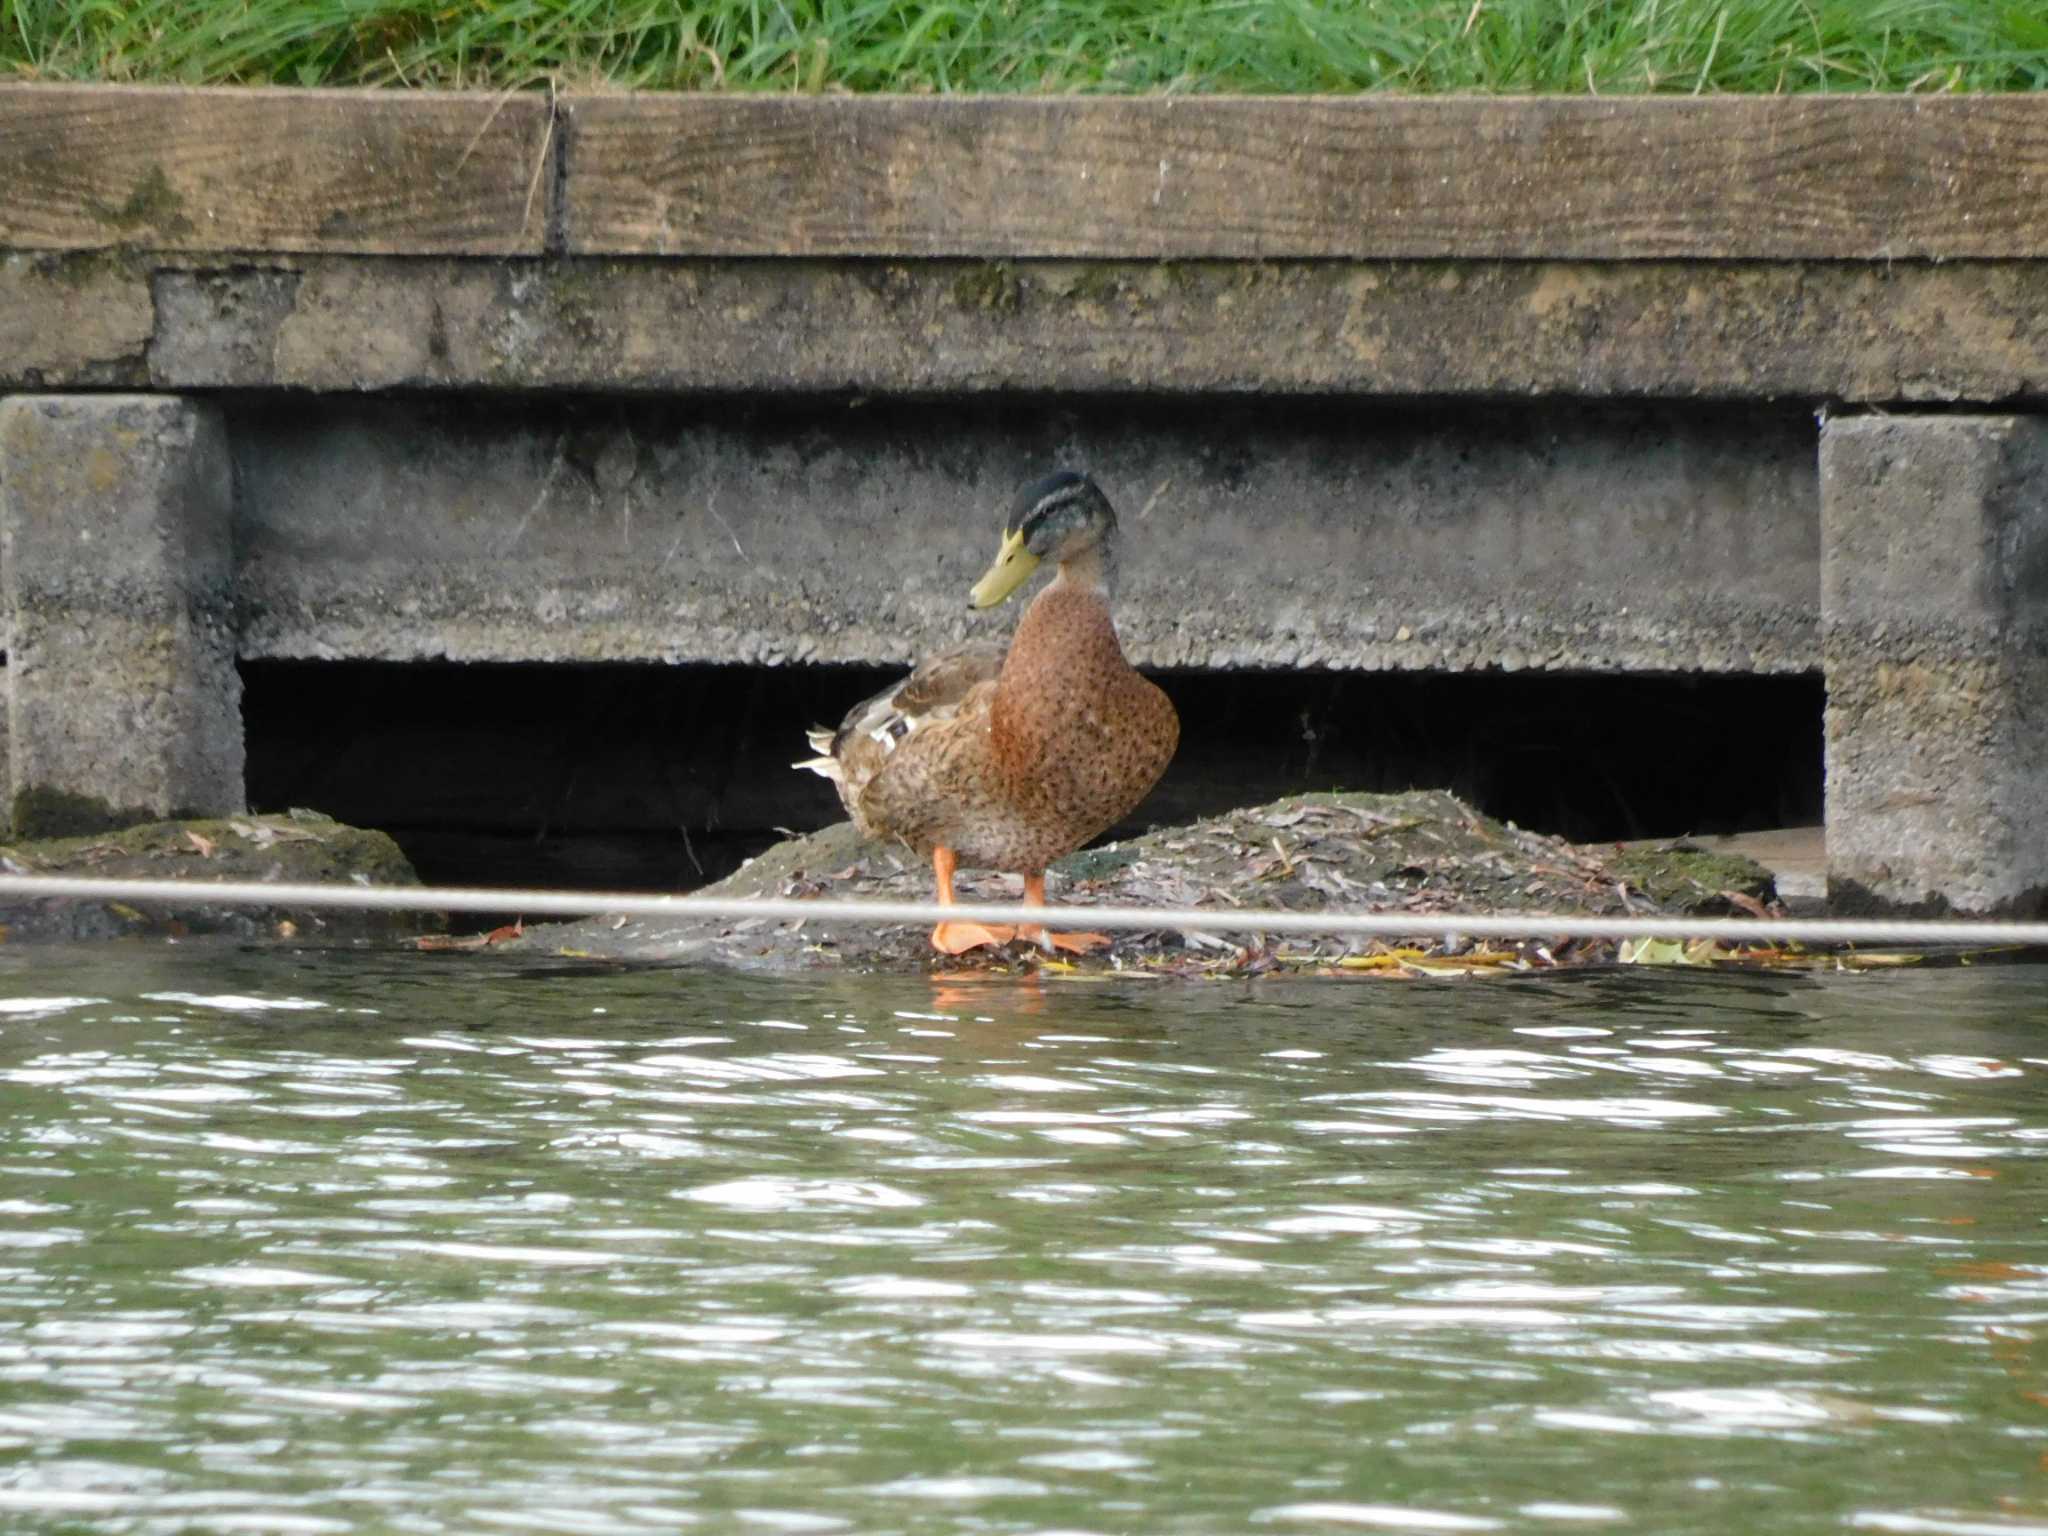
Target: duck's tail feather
{"x":825,"y":765}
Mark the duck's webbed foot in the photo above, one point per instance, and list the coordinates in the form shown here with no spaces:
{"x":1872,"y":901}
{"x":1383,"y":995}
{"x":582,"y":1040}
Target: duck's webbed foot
{"x":1054,"y":943}
{"x":957,"y":938}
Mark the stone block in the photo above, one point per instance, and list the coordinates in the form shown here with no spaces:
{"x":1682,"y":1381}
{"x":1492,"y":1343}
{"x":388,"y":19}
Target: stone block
{"x":1934,"y":637}
{"x":75,"y":319}
{"x":115,"y":531}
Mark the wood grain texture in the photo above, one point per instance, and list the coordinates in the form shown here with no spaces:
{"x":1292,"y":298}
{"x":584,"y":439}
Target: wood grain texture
{"x":1815,"y":177}
{"x":376,"y":172}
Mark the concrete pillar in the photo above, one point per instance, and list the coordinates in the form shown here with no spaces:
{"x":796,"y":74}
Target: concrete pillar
{"x":123,"y":701}
{"x":1934,"y":634}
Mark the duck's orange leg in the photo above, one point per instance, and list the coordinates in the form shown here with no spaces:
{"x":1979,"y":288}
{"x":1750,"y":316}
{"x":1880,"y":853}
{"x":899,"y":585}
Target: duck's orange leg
{"x":951,"y":938}
{"x":1072,"y":943}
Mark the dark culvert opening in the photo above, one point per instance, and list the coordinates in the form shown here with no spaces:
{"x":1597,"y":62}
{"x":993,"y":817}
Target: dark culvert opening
{"x":665,"y":777}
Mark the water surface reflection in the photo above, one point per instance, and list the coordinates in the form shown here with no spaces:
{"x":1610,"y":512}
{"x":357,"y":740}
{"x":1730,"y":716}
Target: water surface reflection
{"x":340,"y":1242}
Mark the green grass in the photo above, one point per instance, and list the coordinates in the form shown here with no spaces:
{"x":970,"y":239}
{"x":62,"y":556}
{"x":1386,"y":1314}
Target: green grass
{"x":1608,"y":46}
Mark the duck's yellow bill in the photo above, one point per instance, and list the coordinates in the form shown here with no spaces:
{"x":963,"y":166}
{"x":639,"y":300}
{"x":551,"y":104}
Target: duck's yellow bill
{"x":1013,"y":567}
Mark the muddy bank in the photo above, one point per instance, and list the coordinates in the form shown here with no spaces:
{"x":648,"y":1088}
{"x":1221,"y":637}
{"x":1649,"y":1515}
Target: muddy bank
{"x":1423,"y":852}
{"x":300,"y":847}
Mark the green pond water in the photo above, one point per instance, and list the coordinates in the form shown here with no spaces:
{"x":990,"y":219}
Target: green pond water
{"x":370,"y":1242}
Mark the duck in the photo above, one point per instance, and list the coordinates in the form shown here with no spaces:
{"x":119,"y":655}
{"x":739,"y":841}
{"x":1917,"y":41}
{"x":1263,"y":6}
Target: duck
{"x":1010,"y":757}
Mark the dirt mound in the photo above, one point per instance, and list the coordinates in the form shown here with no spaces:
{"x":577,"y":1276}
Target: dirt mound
{"x":1423,"y":852}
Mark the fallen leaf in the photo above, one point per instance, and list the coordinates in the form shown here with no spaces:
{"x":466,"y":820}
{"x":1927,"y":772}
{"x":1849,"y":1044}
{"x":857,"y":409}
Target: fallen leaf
{"x":1665,"y":952}
{"x":1390,"y":960}
{"x":205,"y":845}
{"x":1871,"y":960}
{"x":439,"y":941}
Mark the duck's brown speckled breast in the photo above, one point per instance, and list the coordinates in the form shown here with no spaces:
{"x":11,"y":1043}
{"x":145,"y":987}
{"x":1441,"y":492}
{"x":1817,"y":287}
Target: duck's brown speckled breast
{"x":1076,"y":737}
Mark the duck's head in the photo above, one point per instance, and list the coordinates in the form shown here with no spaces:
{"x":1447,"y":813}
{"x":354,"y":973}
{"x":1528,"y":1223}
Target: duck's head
{"x":1062,"y":518}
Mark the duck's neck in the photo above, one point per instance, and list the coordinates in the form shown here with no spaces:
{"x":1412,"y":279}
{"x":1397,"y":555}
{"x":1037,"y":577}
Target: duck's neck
{"x":1090,"y":570}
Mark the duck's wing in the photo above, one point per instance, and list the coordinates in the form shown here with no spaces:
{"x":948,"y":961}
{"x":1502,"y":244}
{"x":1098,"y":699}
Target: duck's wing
{"x":935,"y":691}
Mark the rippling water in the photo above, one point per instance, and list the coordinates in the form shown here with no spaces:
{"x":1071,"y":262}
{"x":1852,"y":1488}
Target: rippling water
{"x":343,"y":1242}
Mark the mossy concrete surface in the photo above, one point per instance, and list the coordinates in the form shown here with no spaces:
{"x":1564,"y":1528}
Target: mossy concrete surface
{"x":1423,"y":853}
{"x":1888,"y":332}
{"x":1815,"y":330}
{"x":116,"y":517}
{"x":40,"y":811}
{"x":1934,"y":602}
{"x":300,"y":847}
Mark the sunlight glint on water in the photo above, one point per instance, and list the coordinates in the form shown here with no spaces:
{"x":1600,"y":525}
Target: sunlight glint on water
{"x":338,"y":1242}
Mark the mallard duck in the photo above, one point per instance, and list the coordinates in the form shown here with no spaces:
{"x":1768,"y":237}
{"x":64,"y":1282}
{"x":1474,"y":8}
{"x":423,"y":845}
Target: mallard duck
{"x":1009,"y":759}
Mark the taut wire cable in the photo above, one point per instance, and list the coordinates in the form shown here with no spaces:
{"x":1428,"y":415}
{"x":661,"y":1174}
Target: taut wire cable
{"x":1206,"y":920}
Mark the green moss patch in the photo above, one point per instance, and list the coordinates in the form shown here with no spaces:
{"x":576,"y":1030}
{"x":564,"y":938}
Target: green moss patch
{"x":298,"y":848}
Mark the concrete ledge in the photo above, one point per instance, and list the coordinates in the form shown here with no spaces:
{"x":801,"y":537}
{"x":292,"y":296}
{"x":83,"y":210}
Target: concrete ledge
{"x":1348,"y":534}
{"x":1903,"y":332}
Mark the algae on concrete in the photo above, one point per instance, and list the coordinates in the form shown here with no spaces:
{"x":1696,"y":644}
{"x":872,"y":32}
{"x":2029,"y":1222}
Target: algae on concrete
{"x":301,"y":847}
{"x":40,"y":811}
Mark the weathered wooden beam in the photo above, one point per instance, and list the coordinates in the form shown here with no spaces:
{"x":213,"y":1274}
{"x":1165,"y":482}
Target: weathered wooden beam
{"x":1758,"y":178}
{"x":185,"y":169}
{"x":1817,"y":177}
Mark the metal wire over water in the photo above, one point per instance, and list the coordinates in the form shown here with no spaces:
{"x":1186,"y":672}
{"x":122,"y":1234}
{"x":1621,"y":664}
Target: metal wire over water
{"x":1472,"y":925}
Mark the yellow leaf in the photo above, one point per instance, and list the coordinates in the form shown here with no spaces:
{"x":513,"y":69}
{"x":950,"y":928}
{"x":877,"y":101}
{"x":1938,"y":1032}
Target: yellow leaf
{"x":1652,"y":952}
{"x":1867,"y":960}
{"x":1366,"y":962}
